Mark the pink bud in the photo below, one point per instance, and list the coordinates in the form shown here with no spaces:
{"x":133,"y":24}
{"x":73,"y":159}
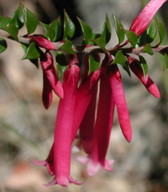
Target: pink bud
{"x":142,"y":21}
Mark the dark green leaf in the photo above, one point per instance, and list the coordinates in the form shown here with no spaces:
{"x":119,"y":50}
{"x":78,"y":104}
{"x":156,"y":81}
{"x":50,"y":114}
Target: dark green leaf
{"x":31,"y":21}
{"x":165,"y":64}
{"x":119,"y":29}
{"x":161,"y":30}
{"x":151,"y":31}
{"x":69,"y":27}
{"x":31,"y":52}
{"x":4,"y":21}
{"x":144,"y":65}
{"x":67,"y":46}
{"x":86,"y":30}
{"x":147,"y":49}
{"x":3,"y":45}
{"x":132,"y":37}
{"x":34,"y":61}
{"x":106,"y":33}
{"x":93,"y":63}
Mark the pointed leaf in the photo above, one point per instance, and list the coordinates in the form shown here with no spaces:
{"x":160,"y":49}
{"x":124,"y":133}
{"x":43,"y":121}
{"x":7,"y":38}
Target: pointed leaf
{"x":93,"y":63}
{"x":86,"y":30}
{"x":67,"y":46}
{"x":106,"y":33}
{"x":147,"y":49}
{"x":119,"y":29}
{"x":11,"y":30}
{"x":3,"y":45}
{"x":144,"y":65}
{"x":31,"y":52}
{"x":121,"y":59}
{"x":132,"y":37}
{"x":165,"y":64}
{"x":4,"y":21}
{"x":101,"y":43}
{"x":61,"y":64}
{"x":69,"y":27}
{"x":161,"y":30}
{"x":31,"y":21}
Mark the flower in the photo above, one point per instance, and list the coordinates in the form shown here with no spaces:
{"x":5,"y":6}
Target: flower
{"x":142,"y":21}
{"x":50,"y":79}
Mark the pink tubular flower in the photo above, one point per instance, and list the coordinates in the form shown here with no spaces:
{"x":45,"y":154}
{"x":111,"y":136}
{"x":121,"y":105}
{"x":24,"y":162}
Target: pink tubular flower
{"x":50,"y":79}
{"x":64,"y":127}
{"x":86,"y":131}
{"x":42,"y":42}
{"x":136,"y":68}
{"x":120,"y":102}
{"x":142,"y":21}
{"x":103,"y":125}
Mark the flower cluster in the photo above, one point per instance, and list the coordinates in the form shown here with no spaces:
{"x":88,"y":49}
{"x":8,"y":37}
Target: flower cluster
{"x":87,"y":103}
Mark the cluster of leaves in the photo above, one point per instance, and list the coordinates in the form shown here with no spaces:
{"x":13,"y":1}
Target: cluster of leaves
{"x":63,"y":31}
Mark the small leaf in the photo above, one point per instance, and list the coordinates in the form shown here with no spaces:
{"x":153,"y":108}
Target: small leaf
{"x":144,"y":65}
{"x":34,"y":61}
{"x":4,"y":21}
{"x":31,"y":21}
{"x":53,"y":30}
{"x":151,"y":31}
{"x":3,"y":45}
{"x":93,"y":63}
{"x":161,"y":30}
{"x":31,"y":52}
{"x":119,"y":29}
{"x":101,"y":43}
{"x":165,"y":64}
{"x":132,"y":37}
{"x":147,"y":49}
{"x":18,"y":18}
{"x":69,"y":27}
{"x":121,"y":59}
{"x":61,"y":64}
{"x":106,"y":33}
{"x":67,"y":46}
{"x":11,"y":30}
{"x":87,"y":31}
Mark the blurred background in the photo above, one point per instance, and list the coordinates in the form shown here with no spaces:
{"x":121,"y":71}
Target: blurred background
{"x":26,"y":128}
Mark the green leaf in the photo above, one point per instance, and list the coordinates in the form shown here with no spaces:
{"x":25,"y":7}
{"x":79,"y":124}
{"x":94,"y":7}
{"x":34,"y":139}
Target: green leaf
{"x":53,"y":30}
{"x":61,"y":64}
{"x":4,"y":21}
{"x":147,"y":49}
{"x":101,"y":43}
{"x":3,"y":45}
{"x":144,"y":65}
{"x":119,"y":29}
{"x":165,"y":64}
{"x":31,"y":52}
{"x":151,"y":31}
{"x":132,"y":37}
{"x":31,"y":21}
{"x":87,"y":31}
{"x":121,"y":59}
{"x":106,"y":33}
{"x":67,"y":46}
{"x":93,"y":63}
{"x":69,"y":27}
{"x":34,"y":61}
{"x":18,"y":18}
{"x":11,"y":30}
{"x":161,"y":30}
